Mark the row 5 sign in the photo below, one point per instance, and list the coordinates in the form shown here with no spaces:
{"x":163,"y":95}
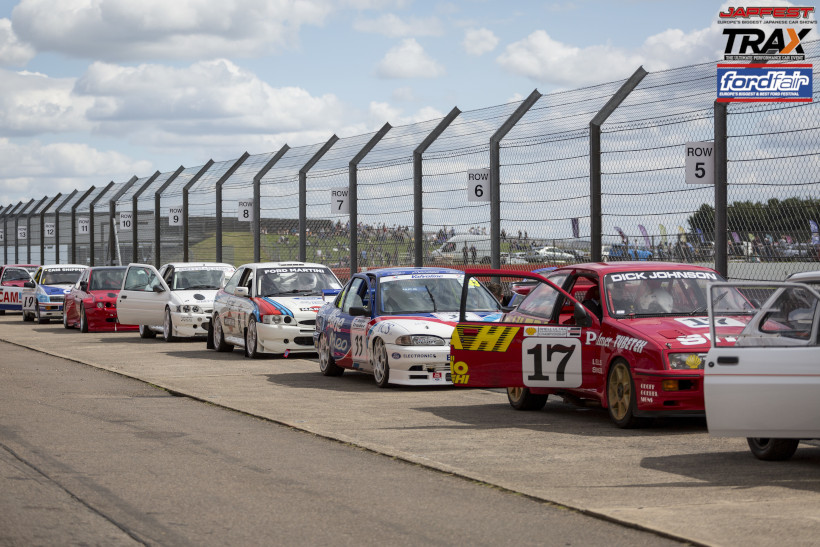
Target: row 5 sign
{"x":700,"y":163}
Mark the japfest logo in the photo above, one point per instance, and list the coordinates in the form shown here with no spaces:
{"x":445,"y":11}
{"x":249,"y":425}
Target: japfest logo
{"x":756,"y":43}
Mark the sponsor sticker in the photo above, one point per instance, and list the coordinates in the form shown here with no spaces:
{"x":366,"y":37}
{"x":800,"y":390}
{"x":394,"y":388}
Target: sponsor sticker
{"x":764,"y":83}
{"x":564,"y":332}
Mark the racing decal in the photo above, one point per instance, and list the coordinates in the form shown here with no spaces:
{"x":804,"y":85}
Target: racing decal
{"x":647,"y":393}
{"x":395,"y":355}
{"x":358,"y":338}
{"x":279,"y":307}
{"x":459,"y":372}
{"x":563,"y":332}
{"x":294,"y":270}
{"x":635,"y":276}
{"x":483,"y":338}
{"x":703,"y":338}
{"x":620,"y":341}
{"x":703,"y":322}
{"x":551,"y":362}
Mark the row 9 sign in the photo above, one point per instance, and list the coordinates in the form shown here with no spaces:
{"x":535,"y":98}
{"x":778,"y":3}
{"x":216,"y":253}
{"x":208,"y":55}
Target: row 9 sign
{"x":175,"y":216}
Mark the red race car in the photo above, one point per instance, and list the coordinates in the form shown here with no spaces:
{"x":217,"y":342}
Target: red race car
{"x":631,"y":336}
{"x":91,"y":304}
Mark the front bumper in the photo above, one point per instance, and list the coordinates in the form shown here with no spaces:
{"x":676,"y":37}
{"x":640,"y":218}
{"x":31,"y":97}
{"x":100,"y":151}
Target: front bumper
{"x":685,"y":399}
{"x":419,"y":365}
{"x":281,"y":338}
{"x":50,"y":310}
{"x":188,"y":325}
{"x":105,"y":320}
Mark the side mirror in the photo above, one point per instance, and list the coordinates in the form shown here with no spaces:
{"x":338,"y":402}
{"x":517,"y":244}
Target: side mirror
{"x":158,"y":289}
{"x":357,"y":311}
{"x":84,"y":286}
{"x":241,"y":291}
{"x":29,"y":284}
{"x":582,"y":318}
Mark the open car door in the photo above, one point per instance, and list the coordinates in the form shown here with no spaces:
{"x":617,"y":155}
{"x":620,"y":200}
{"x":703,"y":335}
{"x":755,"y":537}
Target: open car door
{"x":143,"y":296}
{"x":767,"y":383}
{"x":516,"y":352}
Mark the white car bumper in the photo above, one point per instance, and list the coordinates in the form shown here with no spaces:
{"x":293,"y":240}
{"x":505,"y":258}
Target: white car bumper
{"x":281,"y":338}
{"x":187,"y":325}
{"x":419,"y":366}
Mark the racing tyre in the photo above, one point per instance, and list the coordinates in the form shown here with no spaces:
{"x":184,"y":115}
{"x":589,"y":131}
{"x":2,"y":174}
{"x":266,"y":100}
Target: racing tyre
{"x":168,"y":327}
{"x":28,"y":317}
{"x":252,"y":340}
{"x":65,"y":320}
{"x":327,"y":365}
{"x":83,"y":320}
{"x":219,"y":337}
{"x":40,"y":320}
{"x":772,"y":450}
{"x":145,"y":332}
{"x":521,"y":398}
{"x":2,"y":312}
{"x":621,"y":397}
{"x":378,"y":360}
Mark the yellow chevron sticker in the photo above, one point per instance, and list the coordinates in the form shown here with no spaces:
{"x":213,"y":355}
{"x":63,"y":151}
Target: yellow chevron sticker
{"x":483,"y":338}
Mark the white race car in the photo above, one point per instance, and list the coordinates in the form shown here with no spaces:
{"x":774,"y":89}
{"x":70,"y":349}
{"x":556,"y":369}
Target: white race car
{"x":176,"y":300}
{"x":44,"y":296}
{"x":271,"y":307}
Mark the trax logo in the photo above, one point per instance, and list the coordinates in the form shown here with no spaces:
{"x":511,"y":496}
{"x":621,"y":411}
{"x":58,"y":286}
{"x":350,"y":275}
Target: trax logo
{"x":778,"y":12}
{"x":754,"y":40}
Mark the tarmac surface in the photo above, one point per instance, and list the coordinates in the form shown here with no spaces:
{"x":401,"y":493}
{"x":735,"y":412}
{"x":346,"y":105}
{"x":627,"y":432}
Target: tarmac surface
{"x":672,"y":477}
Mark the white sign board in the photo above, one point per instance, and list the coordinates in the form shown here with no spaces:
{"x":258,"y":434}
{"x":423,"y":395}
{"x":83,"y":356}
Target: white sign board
{"x":83,"y":225}
{"x":478,"y":185}
{"x":126,"y":222}
{"x":245,"y":210}
{"x":700,"y":163}
{"x":22,"y":233}
{"x":49,"y":229}
{"x":175,"y":216}
{"x":339,"y":201}
{"x":2,"y":235}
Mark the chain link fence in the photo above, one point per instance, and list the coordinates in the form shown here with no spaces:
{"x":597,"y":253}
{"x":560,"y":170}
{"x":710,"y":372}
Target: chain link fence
{"x":400,"y":196}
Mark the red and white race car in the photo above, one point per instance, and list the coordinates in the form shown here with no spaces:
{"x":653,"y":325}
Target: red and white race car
{"x":629,"y":335}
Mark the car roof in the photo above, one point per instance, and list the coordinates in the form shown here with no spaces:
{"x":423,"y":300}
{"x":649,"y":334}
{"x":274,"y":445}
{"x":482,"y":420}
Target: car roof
{"x":399,"y":270}
{"x":71,"y":266}
{"x":284,"y":264}
{"x":602,"y":268}
{"x":804,"y":276}
{"x":189,"y":264}
{"x":19,"y":266}
{"x":107,"y":267}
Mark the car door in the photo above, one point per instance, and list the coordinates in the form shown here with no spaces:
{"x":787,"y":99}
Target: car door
{"x":143,"y":296}
{"x":340,"y":327}
{"x":74,"y":300}
{"x":29,"y":294}
{"x":767,"y":383}
{"x":240,"y":308}
{"x":529,"y":347}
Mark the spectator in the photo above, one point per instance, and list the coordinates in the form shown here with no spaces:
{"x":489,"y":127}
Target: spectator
{"x":473,"y":252}
{"x":465,"y":251}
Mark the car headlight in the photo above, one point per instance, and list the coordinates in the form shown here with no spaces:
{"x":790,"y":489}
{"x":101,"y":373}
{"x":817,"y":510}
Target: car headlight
{"x":686,"y":361}
{"x":195,"y":309}
{"x":419,"y":340}
{"x":276,"y":319}
{"x":101,"y":305}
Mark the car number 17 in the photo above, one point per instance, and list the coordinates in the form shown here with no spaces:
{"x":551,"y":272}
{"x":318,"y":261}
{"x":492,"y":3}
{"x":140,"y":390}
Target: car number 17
{"x":551,"y":362}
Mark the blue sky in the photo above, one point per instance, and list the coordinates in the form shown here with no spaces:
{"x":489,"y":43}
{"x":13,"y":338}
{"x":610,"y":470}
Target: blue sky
{"x":99,"y":90}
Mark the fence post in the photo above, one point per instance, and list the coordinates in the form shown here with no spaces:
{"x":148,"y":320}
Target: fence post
{"x":721,"y":190}
{"x":352,"y":184}
{"x":43,"y":227}
{"x":91,"y":222}
{"x":112,"y":211}
{"x":28,"y":230}
{"x":6,"y":236}
{"x":218,"y":185}
{"x":303,"y":195}
{"x":135,"y":215}
{"x":495,"y":175}
{"x":3,"y":211}
{"x":157,"y":205}
{"x":256,"y":221}
{"x":595,"y":212}
{"x":185,"y":189}
{"x":57,"y":223}
{"x":17,"y":227}
{"x":418,"y":201}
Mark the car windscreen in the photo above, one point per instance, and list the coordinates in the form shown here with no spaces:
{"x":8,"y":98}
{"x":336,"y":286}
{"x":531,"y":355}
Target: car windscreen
{"x":296,"y":280}
{"x":15,"y":274}
{"x":201,"y":279}
{"x":106,"y":280}
{"x":60,"y":277}
{"x":432,"y":293}
{"x":664,"y":292}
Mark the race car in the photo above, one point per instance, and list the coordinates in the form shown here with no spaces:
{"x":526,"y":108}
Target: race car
{"x":271,"y":307}
{"x":396,"y":324}
{"x":91,"y":305}
{"x":12,"y":277}
{"x":44,"y":295}
{"x":176,"y":300}
{"x":631,"y":336}
{"x":766,"y":385}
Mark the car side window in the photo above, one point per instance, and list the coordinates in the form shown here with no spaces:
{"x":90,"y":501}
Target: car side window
{"x":141,"y":279}
{"x":792,"y":314}
{"x":357,"y":289}
{"x":540,"y":302}
{"x":234,"y":281}
{"x":83,"y":277}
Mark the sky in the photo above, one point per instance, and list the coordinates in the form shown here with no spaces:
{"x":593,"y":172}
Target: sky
{"x":99,"y":90}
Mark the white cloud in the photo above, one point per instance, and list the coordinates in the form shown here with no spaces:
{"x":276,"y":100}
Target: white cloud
{"x":35,"y":169}
{"x":12,"y":51}
{"x":408,"y":60}
{"x":405,"y":94}
{"x":393,"y":26}
{"x":32,"y":103}
{"x":479,"y":41}
{"x":116,"y":30}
